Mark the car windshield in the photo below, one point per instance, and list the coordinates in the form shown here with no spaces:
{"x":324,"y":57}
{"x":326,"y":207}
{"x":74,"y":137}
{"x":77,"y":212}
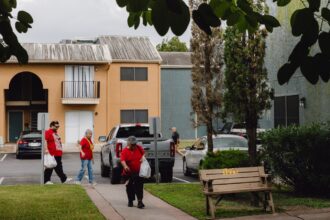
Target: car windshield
{"x":137,"y":131}
{"x":31,"y":135}
{"x":230,"y":142}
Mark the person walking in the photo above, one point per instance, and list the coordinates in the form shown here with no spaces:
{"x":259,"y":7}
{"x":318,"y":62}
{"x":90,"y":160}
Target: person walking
{"x":175,"y":138}
{"x":54,"y":148}
{"x":131,"y":159}
{"x":86,"y":155}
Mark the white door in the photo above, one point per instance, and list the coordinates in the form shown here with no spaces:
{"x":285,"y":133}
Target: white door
{"x":76,"y":123}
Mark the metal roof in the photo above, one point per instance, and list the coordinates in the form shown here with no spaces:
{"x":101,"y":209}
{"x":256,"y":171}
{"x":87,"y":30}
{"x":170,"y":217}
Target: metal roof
{"x":130,"y":49}
{"x":176,"y":59}
{"x":66,"y":53}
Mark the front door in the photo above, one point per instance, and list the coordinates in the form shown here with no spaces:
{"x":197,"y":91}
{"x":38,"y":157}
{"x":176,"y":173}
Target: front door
{"x":15,"y":125}
{"x":76,"y":123}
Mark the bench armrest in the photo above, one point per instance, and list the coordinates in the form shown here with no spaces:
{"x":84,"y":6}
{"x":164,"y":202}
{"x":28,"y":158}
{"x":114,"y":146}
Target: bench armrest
{"x":266,"y":177}
{"x":207,"y":184}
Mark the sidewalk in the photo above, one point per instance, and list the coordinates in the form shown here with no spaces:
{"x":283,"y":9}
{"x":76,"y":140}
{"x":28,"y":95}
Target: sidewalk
{"x":114,"y":196}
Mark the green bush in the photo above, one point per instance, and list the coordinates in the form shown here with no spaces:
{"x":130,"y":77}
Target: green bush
{"x":300,"y":156}
{"x":225,"y":159}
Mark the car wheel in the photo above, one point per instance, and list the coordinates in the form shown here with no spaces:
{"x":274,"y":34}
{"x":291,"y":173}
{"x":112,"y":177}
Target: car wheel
{"x":166,"y":175}
{"x":104,"y":169}
{"x":114,"y":175}
{"x":186,"y":170}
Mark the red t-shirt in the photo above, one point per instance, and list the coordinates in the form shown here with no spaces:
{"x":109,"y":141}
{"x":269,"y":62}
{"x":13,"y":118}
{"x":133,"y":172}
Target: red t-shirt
{"x":54,"y":144}
{"x":132,"y":158}
{"x":86,"y":148}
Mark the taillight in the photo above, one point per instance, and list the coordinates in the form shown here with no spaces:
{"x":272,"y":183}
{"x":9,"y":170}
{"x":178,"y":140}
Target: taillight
{"x":172,"y":149}
{"x":22,"y":142}
{"x":119,"y":147}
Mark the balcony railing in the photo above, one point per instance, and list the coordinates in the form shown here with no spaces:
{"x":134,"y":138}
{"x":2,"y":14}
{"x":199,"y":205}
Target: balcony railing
{"x":80,"y":92}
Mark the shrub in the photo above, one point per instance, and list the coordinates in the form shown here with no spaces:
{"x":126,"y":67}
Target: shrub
{"x":225,"y":159}
{"x":300,"y":157}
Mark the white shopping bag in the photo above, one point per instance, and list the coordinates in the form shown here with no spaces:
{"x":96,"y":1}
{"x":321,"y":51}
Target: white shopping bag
{"x":145,"y":169}
{"x":49,"y":161}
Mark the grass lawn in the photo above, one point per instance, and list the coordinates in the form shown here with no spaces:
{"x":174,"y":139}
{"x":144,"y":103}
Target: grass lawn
{"x":46,"y":202}
{"x":189,"y":198}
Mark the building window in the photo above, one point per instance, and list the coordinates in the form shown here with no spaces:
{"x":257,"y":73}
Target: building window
{"x":134,"y":74}
{"x":79,"y":82}
{"x":134,"y":116}
{"x":286,"y":110}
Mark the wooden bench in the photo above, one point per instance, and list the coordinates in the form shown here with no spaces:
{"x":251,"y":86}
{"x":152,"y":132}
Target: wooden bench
{"x":219,"y":182}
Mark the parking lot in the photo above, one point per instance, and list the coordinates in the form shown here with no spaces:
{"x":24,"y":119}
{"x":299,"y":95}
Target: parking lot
{"x":27,"y":171}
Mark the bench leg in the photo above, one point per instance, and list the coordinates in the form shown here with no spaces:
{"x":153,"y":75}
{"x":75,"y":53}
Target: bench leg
{"x":212,"y":207}
{"x":207,"y":205}
{"x":271,"y":202}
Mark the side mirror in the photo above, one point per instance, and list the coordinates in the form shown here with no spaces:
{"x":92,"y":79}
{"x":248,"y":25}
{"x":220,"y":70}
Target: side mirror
{"x":102,"y":139}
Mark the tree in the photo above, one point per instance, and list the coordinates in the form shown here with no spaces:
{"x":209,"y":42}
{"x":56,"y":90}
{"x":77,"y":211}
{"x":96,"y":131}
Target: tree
{"x":207,"y":79}
{"x":172,"y":45}
{"x":9,"y":44}
{"x":247,"y":93}
{"x":175,"y":15}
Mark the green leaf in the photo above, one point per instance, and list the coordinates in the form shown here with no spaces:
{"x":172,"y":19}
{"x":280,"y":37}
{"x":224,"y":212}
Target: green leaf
{"x":179,"y":22}
{"x":311,"y":33}
{"x":245,"y":6}
{"x":322,"y":66}
{"x":24,"y":17}
{"x":122,"y":3}
{"x":174,"y":6}
{"x":13,"y":3}
{"x":314,"y":4}
{"x":21,"y":28}
{"x":208,"y":16}
{"x":137,"y":22}
{"x":285,"y":73}
{"x":308,"y":71}
{"x":131,"y":19}
{"x":301,"y":20}
{"x":324,"y":43}
{"x":282,"y":3}
{"x":137,"y":5}
{"x":200,"y":22}
{"x":6,"y":5}
{"x":221,"y":8}
{"x":233,"y":18}
{"x":159,"y":17}
{"x":326,"y":14}
{"x":270,"y":20}
{"x":299,"y":53}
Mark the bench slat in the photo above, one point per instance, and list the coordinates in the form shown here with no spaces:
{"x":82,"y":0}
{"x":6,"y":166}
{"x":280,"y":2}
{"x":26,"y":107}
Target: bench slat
{"x":258,"y":189}
{"x":240,"y":170}
{"x":231,"y":176}
{"x":236,"y":180}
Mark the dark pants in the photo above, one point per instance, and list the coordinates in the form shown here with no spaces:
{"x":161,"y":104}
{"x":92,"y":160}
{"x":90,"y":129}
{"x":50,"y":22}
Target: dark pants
{"x":58,"y":169}
{"x":135,"y":187}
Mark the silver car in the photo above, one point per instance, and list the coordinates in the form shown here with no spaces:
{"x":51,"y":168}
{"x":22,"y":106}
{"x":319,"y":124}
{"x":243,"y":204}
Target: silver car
{"x":196,"y":153}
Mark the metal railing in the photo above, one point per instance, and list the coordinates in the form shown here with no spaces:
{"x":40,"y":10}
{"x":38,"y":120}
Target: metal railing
{"x":81,"y":89}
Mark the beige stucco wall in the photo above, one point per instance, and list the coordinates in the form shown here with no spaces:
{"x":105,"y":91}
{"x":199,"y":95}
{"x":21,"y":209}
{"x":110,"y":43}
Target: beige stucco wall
{"x":133,"y":94}
{"x":114,"y":94}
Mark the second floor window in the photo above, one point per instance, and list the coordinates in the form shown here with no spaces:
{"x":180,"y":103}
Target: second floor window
{"x":134,"y":116}
{"x":79,"y":81}
{"x":133,"y":74}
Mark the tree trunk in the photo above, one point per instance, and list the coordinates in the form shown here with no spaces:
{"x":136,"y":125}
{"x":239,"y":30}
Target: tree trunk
{"x":208,"y":93}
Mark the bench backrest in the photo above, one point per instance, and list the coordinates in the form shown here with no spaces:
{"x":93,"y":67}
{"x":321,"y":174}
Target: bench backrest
{"x":234,"y":179}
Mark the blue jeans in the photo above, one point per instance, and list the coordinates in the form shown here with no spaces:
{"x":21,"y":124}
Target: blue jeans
{"x":82,"y":171}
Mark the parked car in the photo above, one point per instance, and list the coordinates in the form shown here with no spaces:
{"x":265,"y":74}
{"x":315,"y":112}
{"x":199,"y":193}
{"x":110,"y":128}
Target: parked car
{"x":197,"y":152}
{"x":29,"y":144}
{"x":116,"y":141}
{"x":237,"y":128}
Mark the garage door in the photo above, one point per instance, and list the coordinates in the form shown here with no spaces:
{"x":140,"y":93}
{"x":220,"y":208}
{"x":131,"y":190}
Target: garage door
{"x":76,"y":123}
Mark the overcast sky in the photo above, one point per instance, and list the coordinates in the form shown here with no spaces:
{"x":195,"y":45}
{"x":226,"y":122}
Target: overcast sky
{"x":55,"y":20}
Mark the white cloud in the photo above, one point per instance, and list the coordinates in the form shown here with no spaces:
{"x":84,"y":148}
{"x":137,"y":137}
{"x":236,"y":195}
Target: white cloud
{"x":55,"y":20}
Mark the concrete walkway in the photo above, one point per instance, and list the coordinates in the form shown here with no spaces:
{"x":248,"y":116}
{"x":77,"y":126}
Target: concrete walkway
{"x":112,"y":203}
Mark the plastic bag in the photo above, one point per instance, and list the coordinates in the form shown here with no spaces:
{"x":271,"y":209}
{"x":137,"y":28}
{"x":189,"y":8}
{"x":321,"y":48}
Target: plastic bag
{"x":145,"y":169}
{"x":49,"y":161}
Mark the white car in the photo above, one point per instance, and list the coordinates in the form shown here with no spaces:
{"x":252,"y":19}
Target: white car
{"x":196,"y":153}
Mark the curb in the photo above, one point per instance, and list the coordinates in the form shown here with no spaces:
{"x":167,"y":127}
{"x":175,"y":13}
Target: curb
{"x":102,"y":204}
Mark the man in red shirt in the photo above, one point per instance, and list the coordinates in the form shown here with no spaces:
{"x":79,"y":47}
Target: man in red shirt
{"x":131,"y":159}
{"x":54,"y":148}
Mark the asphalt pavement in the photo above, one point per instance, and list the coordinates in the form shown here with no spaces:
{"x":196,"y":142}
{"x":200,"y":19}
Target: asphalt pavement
{"x":28,"y":171}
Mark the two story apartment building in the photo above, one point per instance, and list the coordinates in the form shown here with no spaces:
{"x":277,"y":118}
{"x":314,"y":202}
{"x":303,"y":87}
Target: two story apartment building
{"x":82,"y":84}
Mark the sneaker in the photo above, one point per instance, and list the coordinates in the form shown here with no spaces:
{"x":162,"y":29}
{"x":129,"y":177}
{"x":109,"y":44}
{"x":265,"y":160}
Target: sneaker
{"x":68,"y":180}
{"x":77,"y":182}
{"x":140,"y":205}
{"x":93,"y":184}
{"x":130,"y":203}
{"x":49,"y":183}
